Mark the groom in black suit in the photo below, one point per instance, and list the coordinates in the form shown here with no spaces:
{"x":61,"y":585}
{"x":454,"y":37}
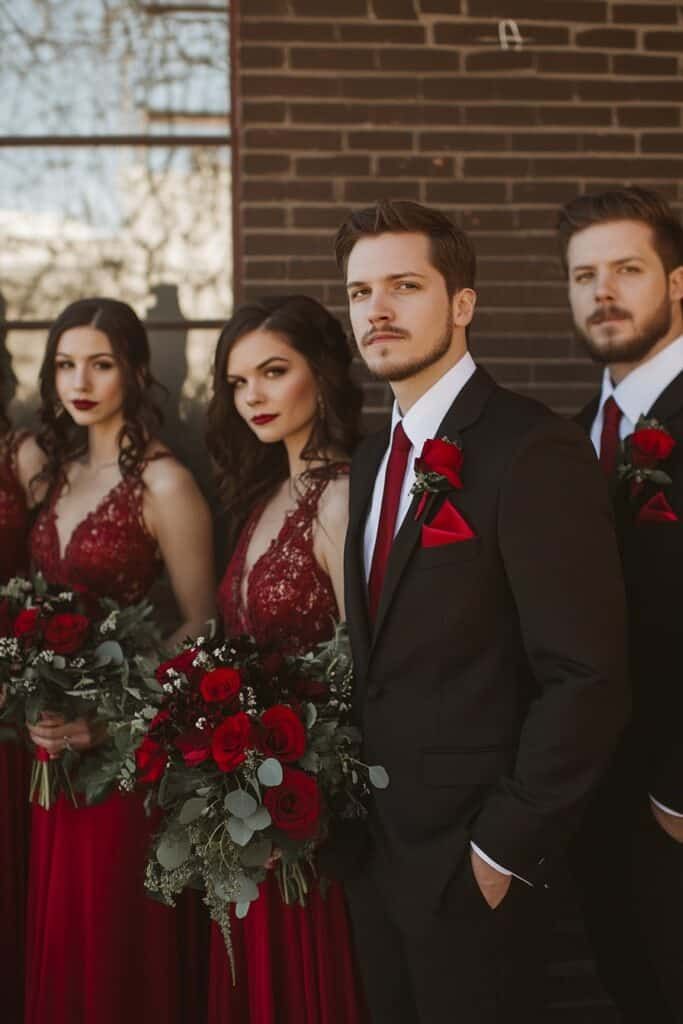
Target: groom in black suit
{"x":623,"y":251}
{"x":485,"y":609}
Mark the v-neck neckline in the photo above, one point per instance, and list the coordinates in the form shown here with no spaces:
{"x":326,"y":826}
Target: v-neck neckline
{"x":63,"y":552}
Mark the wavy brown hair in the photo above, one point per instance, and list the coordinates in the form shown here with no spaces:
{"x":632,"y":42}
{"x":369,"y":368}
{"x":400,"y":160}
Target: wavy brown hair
{"x":247,"y":470}
{"x":59,"y":436}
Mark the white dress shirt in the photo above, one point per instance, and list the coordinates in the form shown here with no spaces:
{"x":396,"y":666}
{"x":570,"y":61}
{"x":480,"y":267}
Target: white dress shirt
{"x":420,"y":423}
{"x":635,"y":395}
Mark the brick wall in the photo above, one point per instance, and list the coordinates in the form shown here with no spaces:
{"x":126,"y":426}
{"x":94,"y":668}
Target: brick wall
{"x":343,"y":101}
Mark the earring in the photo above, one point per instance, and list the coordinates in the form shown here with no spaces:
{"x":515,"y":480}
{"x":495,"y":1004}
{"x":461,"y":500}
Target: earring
{"x":321,"y":407}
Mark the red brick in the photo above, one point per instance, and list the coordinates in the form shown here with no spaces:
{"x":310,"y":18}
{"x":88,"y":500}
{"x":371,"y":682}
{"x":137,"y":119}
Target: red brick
{"x":283,"y":244}
{"x":376,"y":139}
{"x":420,"y":114}
{"x":631,"y":64}
{"x":646,"y":14}
{"x":671,"y":41}
{"x":479,"y":33}
{"x":381,"y":33}
{"x":477,"y":220}
{"x":259,"y":111}
{"x":269,"y":7}
{"x":298,"y":31}
{"x":394,"y":9}
{"x":465,"y":192}
{"x":427,"y":59}
{"x":265,"y":270}
{"x":276,"y":86}
{"x":648,"y":117}
{"x":607,"y":38}
{"x":262,"y":190}
{"x":338,"y":165}
{"x":380,"y":87}
{"x":333,"y":59}
{"x":377,"y":188}
{"x":577,"y":114}
{"x":314,"y":270}
{"x":631,"y":91}
{"x":265,"y":217}
{"x":261,"y":56}
{"x":498,"y":88}
{"x":607,"y":142}
{"x":503,"y":115}
{"x":291,"y":138}
{"x":330,"y":113}
{"x":497,"y":167}
{"x":532,"y":10}
{"x":662,"y":142}
{"x":461,"y":141}
{"x":538,"y":191}
{"x":330,"y":9}
{"x":500,"y":60}
{"x":451,"y":7}
{"x":266,"y":163}
{"x":544,"y":140}
{"x":415,"y":166}
{"x":573,"y":63}
{"x":318,"y":216}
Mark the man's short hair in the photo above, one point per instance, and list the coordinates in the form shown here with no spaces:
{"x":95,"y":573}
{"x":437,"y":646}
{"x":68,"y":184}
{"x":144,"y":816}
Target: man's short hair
{"x":452,"y":252}
{"x":634,"y":203}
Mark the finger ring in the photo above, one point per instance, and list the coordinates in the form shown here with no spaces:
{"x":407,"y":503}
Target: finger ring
{"x":67,"y":743}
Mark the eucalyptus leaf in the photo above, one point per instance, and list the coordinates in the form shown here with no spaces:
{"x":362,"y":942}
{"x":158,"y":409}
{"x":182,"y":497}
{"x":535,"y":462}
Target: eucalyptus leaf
{"x":241,"y":910}
{"x":246,"y":891}
{"x":310,"y":762}
{"x":240,"y":803}
{"x":109,"y":653}
{"x":311,"y":715}
{"x":270,"y":772}
{"x":239,"y":832}
{"x":191,"y":809}
{"x":259,"y":820}
{"x":173,"y":851}
{"x":378,"y":776}
{"x":59,"y":661}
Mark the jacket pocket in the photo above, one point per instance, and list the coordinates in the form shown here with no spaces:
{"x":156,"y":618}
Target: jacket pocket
{"x":465,"y":766}
{"x":448,"y":554}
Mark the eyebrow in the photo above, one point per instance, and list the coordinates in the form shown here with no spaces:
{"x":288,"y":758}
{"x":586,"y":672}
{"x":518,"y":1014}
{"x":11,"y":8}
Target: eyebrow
{"x":270,"y":359}
{"x":623,"y":259}
{"x":97,"y":355}
{"x":389,"y":277}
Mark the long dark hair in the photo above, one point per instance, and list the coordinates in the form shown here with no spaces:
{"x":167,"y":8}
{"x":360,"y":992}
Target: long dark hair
{"x":61,"y":439}
{"x":248,"y":470}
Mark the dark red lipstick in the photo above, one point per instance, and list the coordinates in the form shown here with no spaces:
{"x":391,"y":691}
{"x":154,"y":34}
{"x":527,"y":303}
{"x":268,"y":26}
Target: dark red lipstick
{"x":261,"y":420}
{"x":83,"y":405}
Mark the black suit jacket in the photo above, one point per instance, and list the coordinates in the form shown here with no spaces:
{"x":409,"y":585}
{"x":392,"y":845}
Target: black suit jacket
{"x":650,"y":755}
{"x":493,"y":684}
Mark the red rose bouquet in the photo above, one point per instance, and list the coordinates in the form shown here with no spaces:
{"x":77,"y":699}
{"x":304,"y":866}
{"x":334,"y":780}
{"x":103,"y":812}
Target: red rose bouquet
{"x":64,"y":652}
{"x":251,"y":757}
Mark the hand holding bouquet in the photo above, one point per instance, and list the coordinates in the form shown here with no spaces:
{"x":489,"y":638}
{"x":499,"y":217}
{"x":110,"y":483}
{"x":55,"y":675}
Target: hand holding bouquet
{"x":67,"y":657}
{"x":251,"y":756}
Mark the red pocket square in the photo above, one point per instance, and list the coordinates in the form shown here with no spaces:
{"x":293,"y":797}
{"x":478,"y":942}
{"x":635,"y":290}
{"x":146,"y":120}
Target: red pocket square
{"x":657,"y":510}
{"x":447,"y":527}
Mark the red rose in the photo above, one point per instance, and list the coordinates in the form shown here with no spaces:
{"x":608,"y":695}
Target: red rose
{"x":27,"y":625}
{"x":159,"y":719}
{"x":150,"y":758}
{"x":294,"y":805}
{"x":282,"y":734}
{"x":650,"y":446}
{"x":195,"y":746}
{"x":221,"y":684}
{"x":230,"y":741}
{"x":182,"y":663}
{"x":5,"y":618}
{"x":65,"y":633}
{"x":442,"y":457}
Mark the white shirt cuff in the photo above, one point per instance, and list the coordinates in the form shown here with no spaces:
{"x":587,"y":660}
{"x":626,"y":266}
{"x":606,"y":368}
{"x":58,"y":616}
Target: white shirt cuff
{"x":497,"y":867}
{"x":667,"y":810}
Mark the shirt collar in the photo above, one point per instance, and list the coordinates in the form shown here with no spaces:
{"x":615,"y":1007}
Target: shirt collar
{"x":639,"y":390}
{"x":422,"y":420}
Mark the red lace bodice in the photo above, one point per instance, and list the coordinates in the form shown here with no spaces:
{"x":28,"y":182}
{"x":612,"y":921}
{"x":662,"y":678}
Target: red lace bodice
{"x":290,"y":603}
{"x":110,"y":552}
{"x":13,"y":513}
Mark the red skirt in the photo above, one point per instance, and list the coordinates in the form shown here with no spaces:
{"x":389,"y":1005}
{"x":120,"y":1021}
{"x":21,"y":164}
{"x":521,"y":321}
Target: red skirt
{"x":294,"y":965}
{"x":99,"y":950}
{"x":14,"y":824}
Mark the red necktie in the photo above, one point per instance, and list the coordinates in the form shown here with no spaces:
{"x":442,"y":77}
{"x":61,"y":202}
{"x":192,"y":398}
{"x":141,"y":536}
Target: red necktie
{"x":609,"y":438}
{"x":393,"y":484}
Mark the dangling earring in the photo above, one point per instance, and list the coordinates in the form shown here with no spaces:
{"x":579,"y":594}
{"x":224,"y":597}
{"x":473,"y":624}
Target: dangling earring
{"x":321,"y":408}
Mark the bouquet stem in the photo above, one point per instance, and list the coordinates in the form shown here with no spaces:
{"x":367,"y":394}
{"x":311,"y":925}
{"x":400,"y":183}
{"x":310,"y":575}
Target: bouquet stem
{"x":46,"y":776}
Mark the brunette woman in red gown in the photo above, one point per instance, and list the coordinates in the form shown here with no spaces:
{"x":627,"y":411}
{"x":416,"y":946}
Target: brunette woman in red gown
{"x":282,"y":423}
{"x":117,"y":509}
{"x":17,"y":465}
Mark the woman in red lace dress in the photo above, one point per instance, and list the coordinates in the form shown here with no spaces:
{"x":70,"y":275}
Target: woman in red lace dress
{"x":117,"y":509}
{"x":17,"y":465}
{"x":282,"y":423}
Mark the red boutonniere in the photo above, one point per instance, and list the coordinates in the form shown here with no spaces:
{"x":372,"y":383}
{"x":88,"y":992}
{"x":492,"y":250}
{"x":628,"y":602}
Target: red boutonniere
{"x":437,"y":470}
{"x":644,"y":451}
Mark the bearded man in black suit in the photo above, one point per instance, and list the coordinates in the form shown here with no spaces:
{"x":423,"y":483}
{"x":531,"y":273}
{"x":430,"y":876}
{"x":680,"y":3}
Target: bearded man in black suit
{"x":623,"y":251}
{"x":485,"y":608}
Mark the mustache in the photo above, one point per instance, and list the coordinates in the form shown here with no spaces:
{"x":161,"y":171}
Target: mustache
{"x":392,"y":332}
{"x":608,"y":313}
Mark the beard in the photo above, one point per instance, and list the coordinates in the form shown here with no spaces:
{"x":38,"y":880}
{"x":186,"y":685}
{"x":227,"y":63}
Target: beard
{"x":629,"y":350}
{"x":398,"y":371}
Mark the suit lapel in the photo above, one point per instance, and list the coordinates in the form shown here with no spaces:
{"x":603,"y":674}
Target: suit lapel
{"x":464,"y":411}
{"x":670,"y":402}
{"x":363,"y":477}
{"x":588,"y":413}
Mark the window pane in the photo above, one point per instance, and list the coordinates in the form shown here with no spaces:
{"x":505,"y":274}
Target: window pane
{"x":99,"y":67}
{"x":147,"y":225}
